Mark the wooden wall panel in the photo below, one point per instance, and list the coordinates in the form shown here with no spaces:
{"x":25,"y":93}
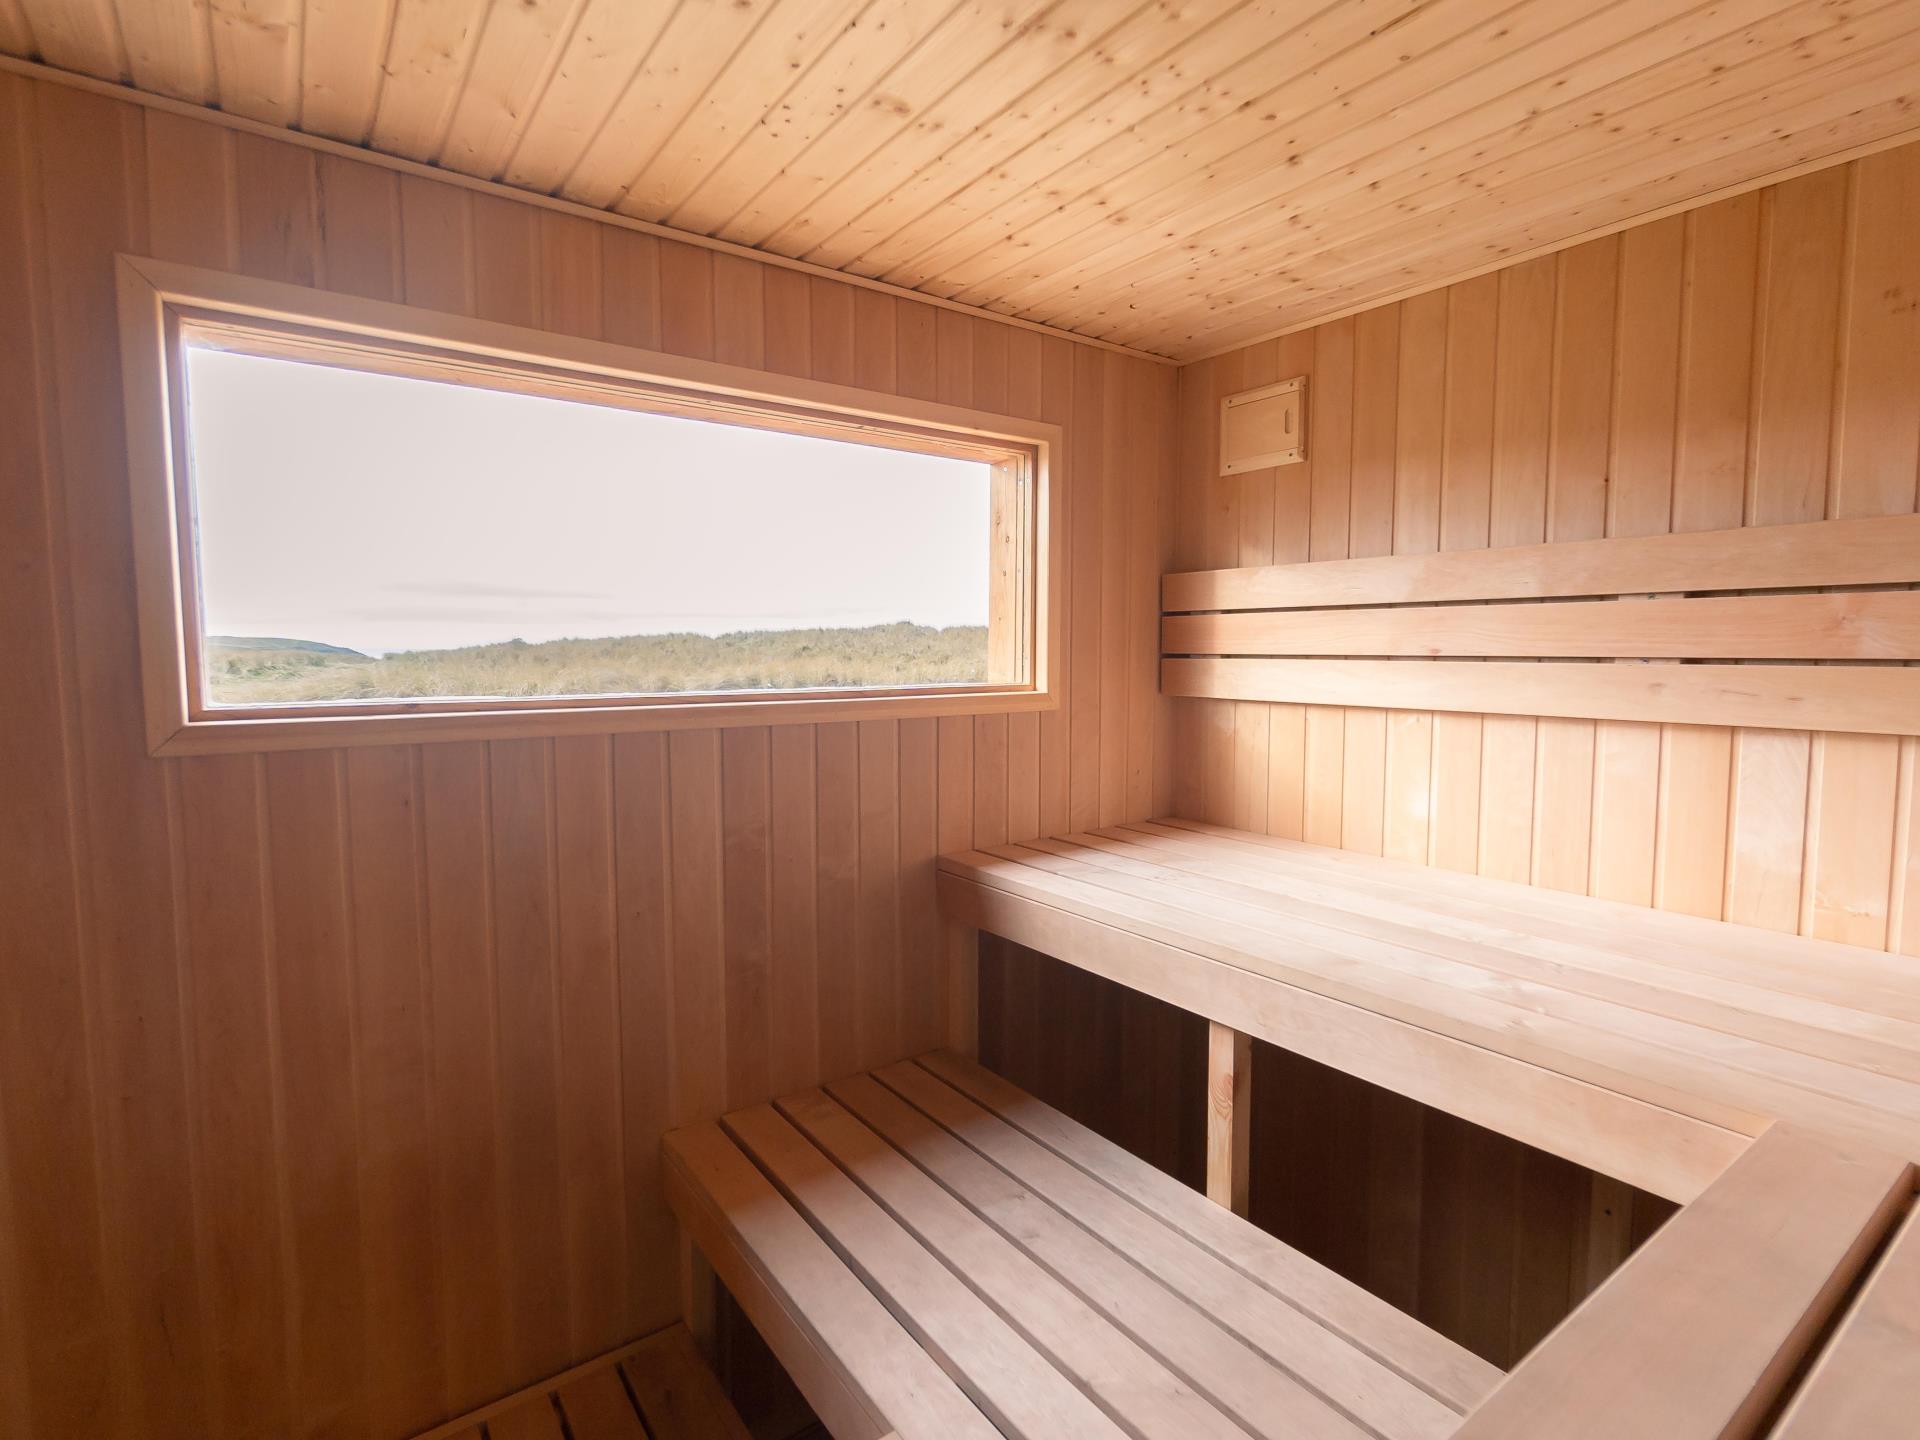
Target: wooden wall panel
{"x":1756,"y":361}
{"x":331,"y":1084}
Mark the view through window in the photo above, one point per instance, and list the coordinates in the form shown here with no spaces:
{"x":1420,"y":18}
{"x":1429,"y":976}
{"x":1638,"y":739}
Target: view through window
{"x":368,"y":537}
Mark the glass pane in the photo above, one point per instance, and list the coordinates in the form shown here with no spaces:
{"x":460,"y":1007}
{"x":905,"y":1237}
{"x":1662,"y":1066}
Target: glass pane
{"x":366,"y":537}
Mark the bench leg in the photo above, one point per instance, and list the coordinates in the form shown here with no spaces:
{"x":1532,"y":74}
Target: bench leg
{"x":962,"y":944}
{"x":1229,"y":1114}
{"x":1609,"y":1235}
{"x":699,"y":1298}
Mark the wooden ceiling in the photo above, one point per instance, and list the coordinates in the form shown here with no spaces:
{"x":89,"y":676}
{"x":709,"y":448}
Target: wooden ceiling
{"x":1178,"y":175}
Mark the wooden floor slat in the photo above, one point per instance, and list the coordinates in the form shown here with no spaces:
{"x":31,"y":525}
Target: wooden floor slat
{"x":597,"y":1407}
{"x":1437,"y":1365}
{"x":677,"y":1392}
{"x":654,"y":1389}
{"x":1125,"y":1380}
{"x":536,"y":1419}
{"x":1014,"y":1386}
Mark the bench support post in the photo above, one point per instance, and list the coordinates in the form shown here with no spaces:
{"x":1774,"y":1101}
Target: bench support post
{"x":1609,"y":1237}
{"x":699,"y":1298}
{"x":962,"y":945}
{"x":1229,"y":1114}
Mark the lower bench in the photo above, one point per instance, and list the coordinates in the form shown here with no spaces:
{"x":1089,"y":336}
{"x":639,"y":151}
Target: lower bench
{"x":932,"y":1253}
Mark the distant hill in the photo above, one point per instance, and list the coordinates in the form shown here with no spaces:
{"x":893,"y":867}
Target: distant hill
{"x":264,"y":670}
{"x":275,"y":642}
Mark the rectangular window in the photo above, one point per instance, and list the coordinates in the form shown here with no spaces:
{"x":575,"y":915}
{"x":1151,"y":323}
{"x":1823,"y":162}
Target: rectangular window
{"x":428,"y":526}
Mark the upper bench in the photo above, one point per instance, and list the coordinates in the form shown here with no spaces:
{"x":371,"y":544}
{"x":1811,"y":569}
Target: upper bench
{"x":1653,"y":1047}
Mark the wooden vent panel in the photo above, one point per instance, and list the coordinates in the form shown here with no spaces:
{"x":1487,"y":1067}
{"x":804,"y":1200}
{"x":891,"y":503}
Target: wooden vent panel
{"x":1273,"y":633}
{"x":1262,"y":428}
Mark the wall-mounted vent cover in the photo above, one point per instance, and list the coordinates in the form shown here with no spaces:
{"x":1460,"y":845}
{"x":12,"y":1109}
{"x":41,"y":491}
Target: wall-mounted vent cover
{"x":1264,"y":427}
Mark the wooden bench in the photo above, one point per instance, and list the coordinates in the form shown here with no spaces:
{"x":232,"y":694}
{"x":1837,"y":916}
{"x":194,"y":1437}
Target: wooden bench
{"x":1651,"y":1047}
{"x":931,"y":1252}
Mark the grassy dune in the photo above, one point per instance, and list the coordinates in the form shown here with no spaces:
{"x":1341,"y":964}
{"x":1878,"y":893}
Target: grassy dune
{"x":265,"y":671}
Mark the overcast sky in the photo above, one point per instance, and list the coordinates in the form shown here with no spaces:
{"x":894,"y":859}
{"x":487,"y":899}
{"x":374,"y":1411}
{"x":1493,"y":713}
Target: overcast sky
{"x":383,"y":514}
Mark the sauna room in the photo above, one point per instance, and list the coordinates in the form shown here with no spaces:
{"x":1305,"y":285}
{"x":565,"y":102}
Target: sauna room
{"x":960,"y":720}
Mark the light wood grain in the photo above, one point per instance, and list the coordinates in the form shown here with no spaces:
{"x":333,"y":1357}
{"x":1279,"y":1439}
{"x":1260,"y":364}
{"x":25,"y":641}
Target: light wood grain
{"x":1865,"y":699}
{"x":1078,"y":168}
{"x":1229,"y":1115}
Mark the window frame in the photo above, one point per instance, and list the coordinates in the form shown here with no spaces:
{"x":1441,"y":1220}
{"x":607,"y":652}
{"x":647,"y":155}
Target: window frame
{"x":160,"y":302}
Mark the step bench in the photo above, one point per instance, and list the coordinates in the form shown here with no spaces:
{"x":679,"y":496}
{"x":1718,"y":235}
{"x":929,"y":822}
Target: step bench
{"x":933,"y":1253}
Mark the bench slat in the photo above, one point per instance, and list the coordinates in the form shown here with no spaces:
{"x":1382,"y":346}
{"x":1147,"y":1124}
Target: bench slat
{"x":1024,"y":1396}
{"x":1866,"y":1385}
{"x":1694,"y":1338}
{"x":862,"y":1373}
{"x":1124,"y":1379}
{"x":1353,"y":1382}
{"x":1448,"y":1371}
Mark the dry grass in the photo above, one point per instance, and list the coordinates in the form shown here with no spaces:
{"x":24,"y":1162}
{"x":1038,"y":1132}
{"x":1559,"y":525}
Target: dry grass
{"x":253,"y":673}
